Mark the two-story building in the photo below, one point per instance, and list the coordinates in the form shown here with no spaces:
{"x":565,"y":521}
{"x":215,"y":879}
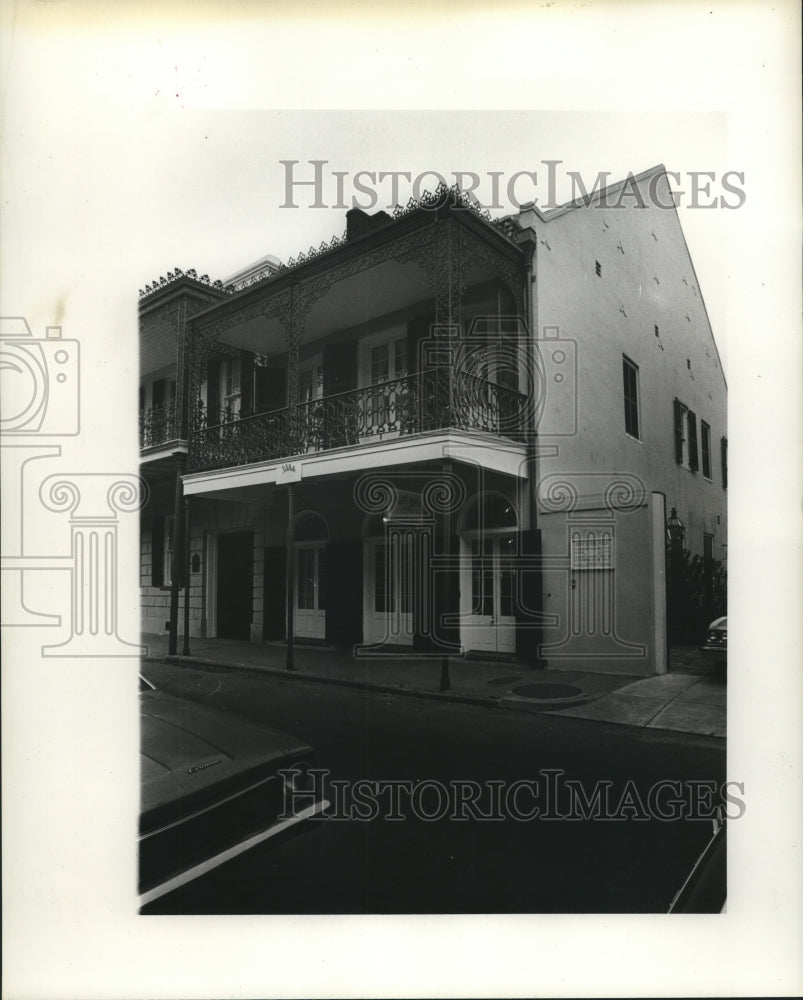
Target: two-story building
{"x":442,"y":435}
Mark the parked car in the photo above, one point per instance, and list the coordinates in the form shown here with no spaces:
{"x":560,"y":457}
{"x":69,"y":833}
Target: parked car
{"x":705,"y":889}
{"x":211,"y":789}
{"x":715,"y":647}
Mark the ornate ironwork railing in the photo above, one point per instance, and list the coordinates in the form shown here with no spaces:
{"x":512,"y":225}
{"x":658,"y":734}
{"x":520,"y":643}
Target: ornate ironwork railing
{"x":157,"y":425}
{"x":426,"y":401}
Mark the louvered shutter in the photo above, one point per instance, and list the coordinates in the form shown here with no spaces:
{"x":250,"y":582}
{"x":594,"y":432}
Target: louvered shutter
{"x":694,"y":462}
{"x":678,"y":425}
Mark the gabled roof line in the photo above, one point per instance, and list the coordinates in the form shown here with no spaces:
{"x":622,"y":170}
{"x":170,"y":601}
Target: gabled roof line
{"x":596,"y":196}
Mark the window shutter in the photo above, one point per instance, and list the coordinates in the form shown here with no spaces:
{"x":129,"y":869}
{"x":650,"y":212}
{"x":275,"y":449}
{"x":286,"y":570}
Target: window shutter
{"x":246,"y":384}
{"x":694,"y":462}
{"x":417,"y":330}
{"x":157,"y":552}
{"x":723,"y":449}
{"x":213,"y":392}
{"x":339,"y":367}
{"x":678,"y":432}
{"x":270,"y":389}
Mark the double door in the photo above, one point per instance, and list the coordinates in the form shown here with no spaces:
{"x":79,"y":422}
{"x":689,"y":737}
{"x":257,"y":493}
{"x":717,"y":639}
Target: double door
{"x":488,"y":593}
{"x":388,"y":602}
{"x":310,"y":601}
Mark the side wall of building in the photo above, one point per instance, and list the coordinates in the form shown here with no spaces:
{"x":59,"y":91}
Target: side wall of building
{"x":644,"y":305}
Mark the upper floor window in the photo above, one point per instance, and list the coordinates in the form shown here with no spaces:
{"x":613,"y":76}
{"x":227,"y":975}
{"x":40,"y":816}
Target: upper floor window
{"x":230,"y":386}
{"x":310,"y":380}
{"x":685,"y":428}
{"x":630,"y":387}
{"x":162,"y":532}
{"x":705,"y":442}
{"x":163,"y":392}
{"x":387,"y":359}
{"x":723,"y":447}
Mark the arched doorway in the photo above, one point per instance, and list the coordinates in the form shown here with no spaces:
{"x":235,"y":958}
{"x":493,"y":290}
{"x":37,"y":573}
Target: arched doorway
{"x":488,"y":548}
{"x":311,"y":536}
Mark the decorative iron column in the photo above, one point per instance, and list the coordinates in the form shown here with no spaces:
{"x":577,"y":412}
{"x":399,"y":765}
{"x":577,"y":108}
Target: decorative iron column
{"x":187,"y":566}
{"x":446,"y":527}
{"x":177,"y":560}
{"x":289,"y":661}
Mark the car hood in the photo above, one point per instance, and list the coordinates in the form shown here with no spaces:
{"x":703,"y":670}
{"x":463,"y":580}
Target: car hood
{"x":192,"y":754}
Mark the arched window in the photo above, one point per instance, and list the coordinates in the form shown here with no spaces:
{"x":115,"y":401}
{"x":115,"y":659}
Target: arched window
{"x":373,"y":526}
{"x":489,"y":512}
{"x":310,"y":527}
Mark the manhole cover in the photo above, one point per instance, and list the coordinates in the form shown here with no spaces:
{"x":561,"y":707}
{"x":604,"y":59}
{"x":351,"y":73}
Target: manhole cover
{"x":547,"y":691}
{"x":505,"y":680}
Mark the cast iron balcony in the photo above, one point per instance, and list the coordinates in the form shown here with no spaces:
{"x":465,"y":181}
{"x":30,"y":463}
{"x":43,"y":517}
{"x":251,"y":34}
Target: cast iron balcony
{"x":157,"y":425}
{"x":426,"y":401}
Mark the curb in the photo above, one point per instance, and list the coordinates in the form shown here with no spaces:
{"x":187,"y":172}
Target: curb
{"x":485,"y":702}
{"x":531,"y":706}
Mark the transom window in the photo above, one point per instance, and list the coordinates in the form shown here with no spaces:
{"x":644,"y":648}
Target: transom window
{"x":488,"y":512}
{"x":310,"y":527}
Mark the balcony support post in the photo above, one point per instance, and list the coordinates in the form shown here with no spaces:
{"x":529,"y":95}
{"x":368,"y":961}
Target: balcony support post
{"x":448,"y":282}
{"x":445,"y":590}
{"x":176,"y":560}
{"x":185,"y":651}
{"x":290,"y":588}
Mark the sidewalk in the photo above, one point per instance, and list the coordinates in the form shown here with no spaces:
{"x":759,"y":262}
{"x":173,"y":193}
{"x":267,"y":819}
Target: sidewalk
{"x":690,"y":698}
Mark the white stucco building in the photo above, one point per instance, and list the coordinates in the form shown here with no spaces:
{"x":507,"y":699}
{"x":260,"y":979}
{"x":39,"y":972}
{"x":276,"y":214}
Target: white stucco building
{"x":441,"y":435}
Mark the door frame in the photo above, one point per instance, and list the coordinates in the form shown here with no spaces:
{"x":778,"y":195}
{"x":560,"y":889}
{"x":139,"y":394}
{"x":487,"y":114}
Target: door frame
{"x":399,"y":638}
{"x":508,"y":626}
{"x":317,"y":546}
{"x":211,"y":582}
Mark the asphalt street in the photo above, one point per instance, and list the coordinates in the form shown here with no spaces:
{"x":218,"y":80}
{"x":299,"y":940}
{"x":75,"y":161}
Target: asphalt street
{"x":497,"y":856}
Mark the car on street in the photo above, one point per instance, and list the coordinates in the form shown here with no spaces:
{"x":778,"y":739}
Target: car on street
{"x":715,"y":647}
{"x":213,"y":786}
{"x":705,"y":888}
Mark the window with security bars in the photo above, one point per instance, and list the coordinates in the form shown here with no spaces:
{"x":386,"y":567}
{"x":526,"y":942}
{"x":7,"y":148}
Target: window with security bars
{"x":630,"y":387}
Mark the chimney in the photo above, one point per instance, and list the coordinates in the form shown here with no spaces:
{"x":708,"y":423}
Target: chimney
{"x":359,"y":223}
